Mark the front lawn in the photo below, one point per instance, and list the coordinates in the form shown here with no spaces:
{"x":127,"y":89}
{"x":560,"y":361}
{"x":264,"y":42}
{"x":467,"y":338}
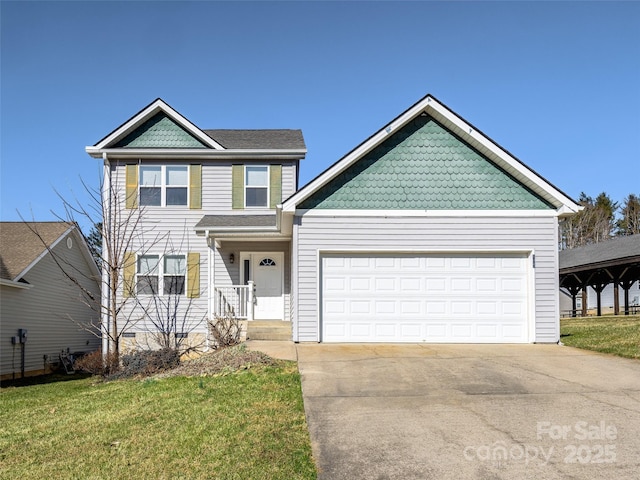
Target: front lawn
{"x":618,"y":335}
{"x":244,"y":425}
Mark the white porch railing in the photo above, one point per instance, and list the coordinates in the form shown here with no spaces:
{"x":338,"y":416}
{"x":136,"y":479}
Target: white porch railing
{"x":234,"y":299}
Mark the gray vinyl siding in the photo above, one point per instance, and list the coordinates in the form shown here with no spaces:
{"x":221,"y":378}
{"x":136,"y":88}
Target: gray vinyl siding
{"x":171,"y":229}
{"x":314,"y":233}
{"x":51,"y":310}
{"x":216,"y":182}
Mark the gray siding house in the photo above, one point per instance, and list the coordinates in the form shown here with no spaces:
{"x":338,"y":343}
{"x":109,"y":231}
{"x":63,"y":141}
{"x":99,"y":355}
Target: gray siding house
{"x":428,"y":231}
{"x":36,"y":297}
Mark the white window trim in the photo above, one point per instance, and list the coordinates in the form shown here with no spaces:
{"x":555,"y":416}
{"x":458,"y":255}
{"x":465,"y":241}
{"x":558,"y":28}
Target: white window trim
{"x":163,"y":186}
{"x":245,"y":186}
{"x":161,"y":274}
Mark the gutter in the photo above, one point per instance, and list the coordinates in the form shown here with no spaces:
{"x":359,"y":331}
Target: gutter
{"x":205,"y":153}
{"x":15,"y":284}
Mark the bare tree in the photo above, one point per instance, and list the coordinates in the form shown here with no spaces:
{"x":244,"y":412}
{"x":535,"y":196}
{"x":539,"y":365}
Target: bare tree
{"x":168,"y":315}
{"x":594,"y":224}
{"x":120,"y":230}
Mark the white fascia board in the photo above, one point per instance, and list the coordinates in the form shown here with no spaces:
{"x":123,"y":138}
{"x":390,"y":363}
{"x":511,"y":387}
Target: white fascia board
{"x":219,"y":239}
{"x":426,"y":213}
{"x":498,"y":155}
{"x":196,"y":153}
{"x":82,"y":245}
{"x":86,"y":254}
{"x":15,"y":284}
{"x":45,"y":252}
{"x":466,"y":131}
{"x":157,"y":106}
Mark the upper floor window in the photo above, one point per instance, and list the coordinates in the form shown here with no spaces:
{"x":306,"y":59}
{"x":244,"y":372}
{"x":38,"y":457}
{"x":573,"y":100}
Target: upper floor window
{"x":164,"y":185}
{"x":256,"y":186}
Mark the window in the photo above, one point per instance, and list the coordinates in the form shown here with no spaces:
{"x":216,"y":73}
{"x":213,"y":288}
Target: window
{"x":166,"y":276}
{"x":177,"y":182}
{"x":151,"y":186}
{"x":174,"y":274}
{"x":164,"y":185}
{"x":267,"y":262}
{"x":256,"y":186}
{"x":147,"y":278}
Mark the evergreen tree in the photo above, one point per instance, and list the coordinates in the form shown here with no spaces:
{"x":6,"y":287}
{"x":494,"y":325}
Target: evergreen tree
{"x":629,"y":224}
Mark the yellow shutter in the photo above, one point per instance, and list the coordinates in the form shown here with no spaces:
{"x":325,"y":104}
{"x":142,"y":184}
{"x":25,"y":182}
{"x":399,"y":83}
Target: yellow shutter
{"x":275,"y":185}
{"x":131,"y":181}
{"x":195,"y":187}
{"x":237,"y":187}
{"x":128,"y":274}
{"x":193,"y":275}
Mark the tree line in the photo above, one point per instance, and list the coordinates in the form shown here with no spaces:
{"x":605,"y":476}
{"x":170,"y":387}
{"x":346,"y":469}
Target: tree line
{"x":601,"y":219}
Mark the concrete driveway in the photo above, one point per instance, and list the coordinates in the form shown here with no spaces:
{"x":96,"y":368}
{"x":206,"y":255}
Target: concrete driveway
{"x":470,"y":412}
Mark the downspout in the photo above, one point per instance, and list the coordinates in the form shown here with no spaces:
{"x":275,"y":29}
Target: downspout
{"x":105,"y":291}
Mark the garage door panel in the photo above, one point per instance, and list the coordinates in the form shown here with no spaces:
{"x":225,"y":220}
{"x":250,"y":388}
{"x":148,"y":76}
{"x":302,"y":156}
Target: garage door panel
{"x":418,"y":298}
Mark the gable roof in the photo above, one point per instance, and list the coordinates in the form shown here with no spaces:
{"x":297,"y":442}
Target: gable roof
{"x":159,"y":130}
{"x":20,"y":248}
{"x":457,"y":127}
{"x":611,"y":252}
{"x":423,"y":166}
{"x":158,"y":106}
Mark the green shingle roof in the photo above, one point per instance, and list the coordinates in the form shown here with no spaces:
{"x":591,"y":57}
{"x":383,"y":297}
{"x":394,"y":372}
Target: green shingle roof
{"x":424,"y":166}
{"x":160,"y":132}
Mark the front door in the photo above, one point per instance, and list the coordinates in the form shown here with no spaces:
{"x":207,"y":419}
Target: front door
{"x":266,"y":270}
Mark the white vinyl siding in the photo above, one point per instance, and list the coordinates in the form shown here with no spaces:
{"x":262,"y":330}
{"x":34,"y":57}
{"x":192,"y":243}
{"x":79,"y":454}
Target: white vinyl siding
{"x":313,"y":234}
{"x":217,"y":182}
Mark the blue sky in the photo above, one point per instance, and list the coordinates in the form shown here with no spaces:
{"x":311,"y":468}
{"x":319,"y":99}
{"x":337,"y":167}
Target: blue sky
{"x":555,"y":83}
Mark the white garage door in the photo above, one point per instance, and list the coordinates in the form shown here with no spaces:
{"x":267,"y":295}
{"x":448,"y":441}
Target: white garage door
{"x":461,"y":298}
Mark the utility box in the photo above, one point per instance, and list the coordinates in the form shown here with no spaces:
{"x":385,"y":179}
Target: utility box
{"x":22,"y":335}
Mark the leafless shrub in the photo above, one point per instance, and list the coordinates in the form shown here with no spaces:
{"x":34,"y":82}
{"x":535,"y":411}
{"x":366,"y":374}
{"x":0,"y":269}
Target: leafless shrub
{"x":225,"y":331}
{"x":96,"y":363}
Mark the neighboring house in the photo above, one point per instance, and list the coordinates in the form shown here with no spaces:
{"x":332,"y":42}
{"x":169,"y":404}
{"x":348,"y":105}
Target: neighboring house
{"x":428,"y":231}
{"x":602,"y":271}
{"x":36,"y":297}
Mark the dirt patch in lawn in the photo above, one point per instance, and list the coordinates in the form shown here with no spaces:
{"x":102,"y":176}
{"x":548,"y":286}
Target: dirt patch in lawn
{"x":226,"y":360}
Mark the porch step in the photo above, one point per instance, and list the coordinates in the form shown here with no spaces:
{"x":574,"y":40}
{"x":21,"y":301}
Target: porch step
{"x":268,"y":330}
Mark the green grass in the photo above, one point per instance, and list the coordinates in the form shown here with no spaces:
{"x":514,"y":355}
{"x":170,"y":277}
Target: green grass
{"x":617,"y":335}
{"x":246,"y":425}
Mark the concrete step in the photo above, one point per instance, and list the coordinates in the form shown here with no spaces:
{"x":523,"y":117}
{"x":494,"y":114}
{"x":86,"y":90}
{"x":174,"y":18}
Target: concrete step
{"x":275,"y":330}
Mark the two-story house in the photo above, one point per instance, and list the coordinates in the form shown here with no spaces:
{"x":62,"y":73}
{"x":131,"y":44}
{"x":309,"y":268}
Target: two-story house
{"x":200,"y":208}
{"x":427,"y":231}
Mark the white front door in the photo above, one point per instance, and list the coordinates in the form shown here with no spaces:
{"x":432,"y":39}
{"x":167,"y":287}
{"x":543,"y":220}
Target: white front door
{"x":266,"y":270}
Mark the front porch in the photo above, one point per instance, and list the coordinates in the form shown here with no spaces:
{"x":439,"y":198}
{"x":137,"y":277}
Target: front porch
{"x":239,"y":301}
{"x":250,"y":272}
